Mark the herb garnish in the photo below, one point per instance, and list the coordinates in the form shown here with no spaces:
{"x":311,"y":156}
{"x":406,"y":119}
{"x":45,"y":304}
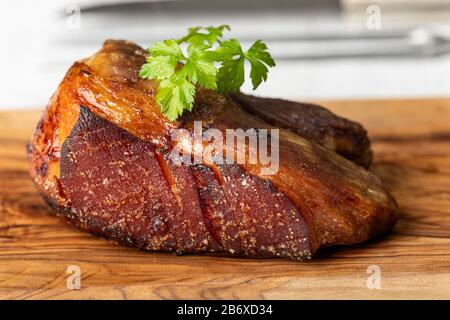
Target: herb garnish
{"x":208,"y":62}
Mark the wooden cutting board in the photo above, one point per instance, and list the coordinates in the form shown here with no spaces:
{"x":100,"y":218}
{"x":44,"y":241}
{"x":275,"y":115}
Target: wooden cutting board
{"x":411,"y":140}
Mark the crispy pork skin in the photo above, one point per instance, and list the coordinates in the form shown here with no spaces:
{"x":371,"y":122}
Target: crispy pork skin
{"x":101,"y":157}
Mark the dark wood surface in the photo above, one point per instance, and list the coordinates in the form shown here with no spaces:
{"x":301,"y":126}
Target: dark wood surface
{"x":411,"y":140}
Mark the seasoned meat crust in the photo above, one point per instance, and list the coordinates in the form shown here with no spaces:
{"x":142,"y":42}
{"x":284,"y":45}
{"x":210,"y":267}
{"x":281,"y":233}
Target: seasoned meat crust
{"x":100,"y":157}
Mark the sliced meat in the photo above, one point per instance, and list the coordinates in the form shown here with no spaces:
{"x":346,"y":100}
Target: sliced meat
{"x":123,"y":188}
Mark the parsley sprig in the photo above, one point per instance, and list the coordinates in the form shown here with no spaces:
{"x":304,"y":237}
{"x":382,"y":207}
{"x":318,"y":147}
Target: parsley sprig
{"x":207,"y":61}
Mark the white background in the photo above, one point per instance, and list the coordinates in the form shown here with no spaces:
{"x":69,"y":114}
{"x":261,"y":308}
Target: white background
{"x":39,"y":44}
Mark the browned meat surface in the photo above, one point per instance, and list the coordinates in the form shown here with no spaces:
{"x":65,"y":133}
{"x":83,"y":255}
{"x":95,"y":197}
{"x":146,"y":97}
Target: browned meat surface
{"x":139,"y":207}
{"x":101,"y":157}
{"x":310,"y":121}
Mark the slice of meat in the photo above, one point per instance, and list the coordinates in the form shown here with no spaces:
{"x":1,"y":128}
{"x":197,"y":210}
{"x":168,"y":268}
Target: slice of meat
{"x":310,"y":121}
{"x":102,"y":157}
{"x":118,"y":188}
{"x":125,"y":189}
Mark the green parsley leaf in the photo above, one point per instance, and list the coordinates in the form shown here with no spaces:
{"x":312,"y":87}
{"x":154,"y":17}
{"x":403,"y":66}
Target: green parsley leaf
{"x":158,"y":67}
{"x":178,"y":74}
{"x":229,"y":49}
{"x":177,"y":82}
{"x":168,"y":48}
{"x":259,"y":59}
{"x":163,"y":60}
{"x":201,"y":71}
{"x":201,"y":35}
{"x":175,"y":94}
{"x":215,"y":33}
{"x":231,"y":75}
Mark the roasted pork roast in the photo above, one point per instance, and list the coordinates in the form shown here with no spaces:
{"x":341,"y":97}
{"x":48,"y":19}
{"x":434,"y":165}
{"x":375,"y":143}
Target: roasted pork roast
{"x":101,"y":157}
